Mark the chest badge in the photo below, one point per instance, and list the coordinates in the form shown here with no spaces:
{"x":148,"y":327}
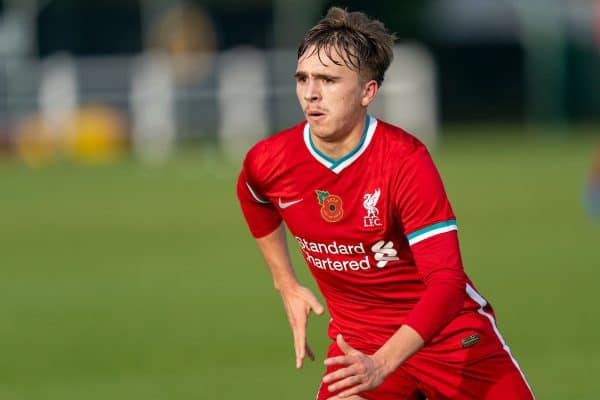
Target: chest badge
{"x":371,"y":220}
{"x":331,"y":206}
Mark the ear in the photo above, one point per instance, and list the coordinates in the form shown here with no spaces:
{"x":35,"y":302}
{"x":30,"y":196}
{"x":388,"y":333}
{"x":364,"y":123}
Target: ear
{"x":369,"y":92}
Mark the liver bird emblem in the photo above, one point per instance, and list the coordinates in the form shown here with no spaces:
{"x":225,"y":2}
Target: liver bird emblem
{"x":370,"y":203}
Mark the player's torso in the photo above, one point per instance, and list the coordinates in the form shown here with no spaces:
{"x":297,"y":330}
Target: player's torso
{"x":345,"y":222}
{"x":339,"y":215}
{"x":345,"y":219}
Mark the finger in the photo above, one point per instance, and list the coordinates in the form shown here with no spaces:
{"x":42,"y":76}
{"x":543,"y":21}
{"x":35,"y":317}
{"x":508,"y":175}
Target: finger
{"x":345,"y":383}
{"x":309,"y":352}
{"x":316,"y":306}
{"x":354,"y":390}
{"x":338,"y":375}
{"x":338,"y":360}
{"x":345,"y":347}
{"x":300,"y":343}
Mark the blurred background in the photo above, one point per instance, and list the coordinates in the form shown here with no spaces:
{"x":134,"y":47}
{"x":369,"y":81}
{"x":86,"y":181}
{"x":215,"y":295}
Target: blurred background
{"x":126,"y":267}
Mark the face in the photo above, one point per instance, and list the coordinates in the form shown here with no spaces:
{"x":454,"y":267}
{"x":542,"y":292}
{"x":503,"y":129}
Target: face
{"x":334,"y":98}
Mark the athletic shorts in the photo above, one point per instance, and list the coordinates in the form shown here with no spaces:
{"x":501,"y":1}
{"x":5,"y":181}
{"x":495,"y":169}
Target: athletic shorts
{"x":489,"y":375}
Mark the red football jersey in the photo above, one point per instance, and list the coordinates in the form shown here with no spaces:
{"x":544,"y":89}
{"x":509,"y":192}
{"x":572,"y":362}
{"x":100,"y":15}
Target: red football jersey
{"x":375,"y":228}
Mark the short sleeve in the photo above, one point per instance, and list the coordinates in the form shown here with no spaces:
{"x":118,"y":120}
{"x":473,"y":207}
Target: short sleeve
{"x":422,"y":205}
{"x":261,"y":215}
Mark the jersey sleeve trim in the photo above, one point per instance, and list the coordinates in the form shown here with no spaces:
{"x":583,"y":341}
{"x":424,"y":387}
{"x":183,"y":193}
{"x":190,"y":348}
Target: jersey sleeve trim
{"x":256,"y":196}
{"x":431,"y":230}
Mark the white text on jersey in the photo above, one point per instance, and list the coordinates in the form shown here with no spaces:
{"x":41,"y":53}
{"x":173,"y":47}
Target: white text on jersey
{"x":345,"y":255}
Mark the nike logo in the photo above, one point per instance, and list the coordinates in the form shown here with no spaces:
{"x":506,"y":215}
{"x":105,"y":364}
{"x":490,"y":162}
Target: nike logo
{"x":283,"y":205}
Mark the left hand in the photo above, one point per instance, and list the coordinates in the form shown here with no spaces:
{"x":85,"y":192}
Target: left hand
{"x":362,"y":372}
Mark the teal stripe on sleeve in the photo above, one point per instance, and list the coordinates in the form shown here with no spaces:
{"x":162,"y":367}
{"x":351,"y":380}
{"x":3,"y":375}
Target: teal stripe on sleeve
{"x":430,"y":228}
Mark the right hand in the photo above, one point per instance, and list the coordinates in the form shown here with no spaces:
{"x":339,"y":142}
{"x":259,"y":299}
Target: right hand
{"x":298,"y":303}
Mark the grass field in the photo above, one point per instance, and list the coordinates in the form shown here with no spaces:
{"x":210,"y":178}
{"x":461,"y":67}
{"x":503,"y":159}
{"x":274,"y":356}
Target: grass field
{"x":124,"y":282}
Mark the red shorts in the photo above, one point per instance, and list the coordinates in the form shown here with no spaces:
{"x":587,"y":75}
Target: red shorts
{"x":490,"y":374}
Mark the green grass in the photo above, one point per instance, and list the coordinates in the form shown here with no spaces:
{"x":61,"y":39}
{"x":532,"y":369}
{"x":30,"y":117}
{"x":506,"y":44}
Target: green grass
{"x":124,"y":282}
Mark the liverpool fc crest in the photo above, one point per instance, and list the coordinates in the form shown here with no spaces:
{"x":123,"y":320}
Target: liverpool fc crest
{"x":372,"y":220}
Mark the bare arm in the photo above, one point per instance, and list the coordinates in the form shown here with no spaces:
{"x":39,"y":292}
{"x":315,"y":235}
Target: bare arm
{"x":297,"y":300}
{"x":403,"y":344}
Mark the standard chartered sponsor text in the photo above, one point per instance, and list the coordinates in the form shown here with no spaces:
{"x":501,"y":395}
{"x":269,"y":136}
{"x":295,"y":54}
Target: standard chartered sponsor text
{"x":331,"y":247}
{"x":313,"y":250}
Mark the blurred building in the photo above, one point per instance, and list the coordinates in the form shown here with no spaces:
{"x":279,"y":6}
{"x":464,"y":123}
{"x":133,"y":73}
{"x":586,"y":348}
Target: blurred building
{"x":491,"y":60}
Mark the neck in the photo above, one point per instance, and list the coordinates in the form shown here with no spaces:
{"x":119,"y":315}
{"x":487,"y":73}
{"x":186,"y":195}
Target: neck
{"x":337,"y":147}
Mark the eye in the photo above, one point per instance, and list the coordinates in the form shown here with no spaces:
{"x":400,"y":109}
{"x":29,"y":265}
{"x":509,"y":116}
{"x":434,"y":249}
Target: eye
{"x":301,"y":79}
{"x":328,"y":80}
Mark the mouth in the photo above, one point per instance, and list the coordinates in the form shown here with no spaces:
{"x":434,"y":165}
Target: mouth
{"x":314,"y":114}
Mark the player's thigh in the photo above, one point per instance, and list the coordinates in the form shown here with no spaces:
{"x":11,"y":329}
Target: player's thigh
{"x":494,"y":377}
{"x":509,"y":381}
{"x":414,"y":396}
{"x":397,"y":386}
{"x":379,"y":393}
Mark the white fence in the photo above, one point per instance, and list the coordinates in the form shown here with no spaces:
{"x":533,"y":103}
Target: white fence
{"x":238,"y":96}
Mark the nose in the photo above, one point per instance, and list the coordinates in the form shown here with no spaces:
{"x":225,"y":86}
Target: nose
{"x":311,"y":91}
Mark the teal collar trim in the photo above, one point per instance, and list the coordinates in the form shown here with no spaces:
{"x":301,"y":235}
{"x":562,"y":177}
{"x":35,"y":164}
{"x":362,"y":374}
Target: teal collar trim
{"x":340,"y":164}
{"x":335,"y":163}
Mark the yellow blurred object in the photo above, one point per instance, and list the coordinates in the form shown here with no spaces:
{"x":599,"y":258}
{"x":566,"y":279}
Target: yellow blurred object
{"x":187,"y":33}
{"x":96,"y":135}
{"x":35,"y":142}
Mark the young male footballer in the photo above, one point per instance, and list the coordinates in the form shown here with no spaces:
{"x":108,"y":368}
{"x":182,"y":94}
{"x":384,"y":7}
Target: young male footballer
{"x":368,"y":210}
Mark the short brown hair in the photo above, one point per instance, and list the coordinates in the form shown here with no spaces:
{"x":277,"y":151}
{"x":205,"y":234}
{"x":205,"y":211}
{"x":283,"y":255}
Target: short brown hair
{"x":364,"y":44}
